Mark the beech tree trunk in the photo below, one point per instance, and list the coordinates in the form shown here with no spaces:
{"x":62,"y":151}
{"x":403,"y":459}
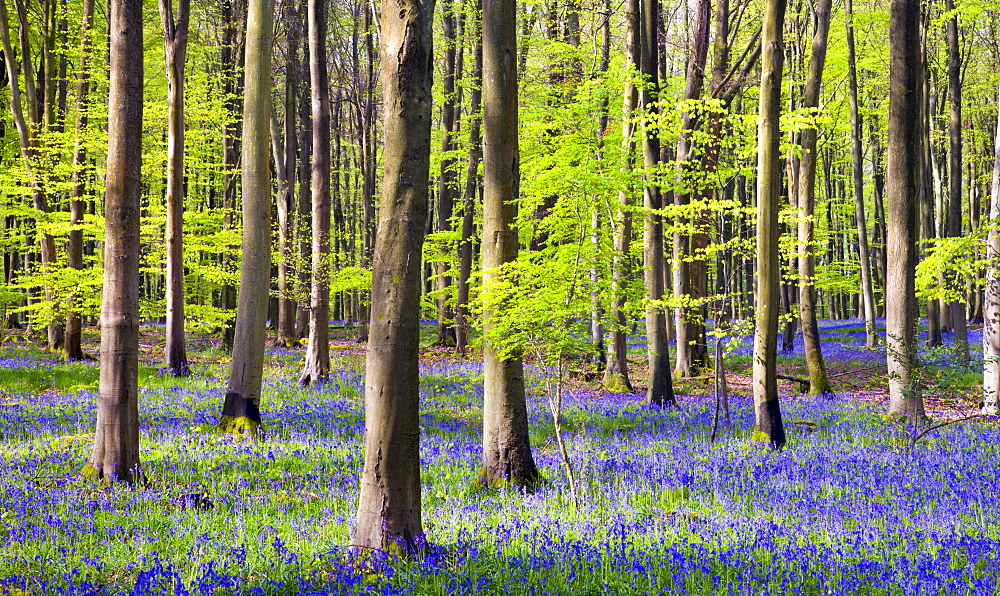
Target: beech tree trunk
{"x":317,"y":362}
{"x":686,"y":325}
{"x":507,"y":456}
{"x":72,"y":350}
{"x":389,"y":516}
{"x":616,"y":375}
{"x":241,"y":410}
{"x":175,"y":36}
{"x":284,"y":159}
{"x":991,"y":298}
{"x":954,"y":219}
{"x":819,"y":382}
{"x":28,"y":139}
{"x":447,"y":180}
{"x":471,"y":185}
{"x":857,"y":163}
{"x":232,"y":58}
{"x":660,"y":391}
{"x":116,"y":439}
{"x":767,"y":410}
{"x":303,"y":221}
{"x":903,"y":181}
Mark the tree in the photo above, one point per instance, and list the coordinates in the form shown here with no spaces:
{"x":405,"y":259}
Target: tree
{"x":447,"y":181}
{"x":317,"y":362}
{"x":616,"y":375}
{"x":660,"y":391}
{"x":767,"y":410}
{"x":471,"y":175}
{"x":507,"y":453}
{"x":689,"y":332}
{"x":175,"y":36}
{"x":954,"y":217}
{"x":241,"y":410}
{"x":903,"y":182}
{"x":389,"y":516}
{"x":991,"y":298}
{"x":857,"y":159}
{"x":72,"y":350}
{"x":115,"y":456}
{"x":28,"y":132}
{"x":819,"y":382}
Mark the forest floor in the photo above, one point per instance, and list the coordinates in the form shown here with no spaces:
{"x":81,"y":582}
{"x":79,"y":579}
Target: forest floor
{"x":854,"y":504}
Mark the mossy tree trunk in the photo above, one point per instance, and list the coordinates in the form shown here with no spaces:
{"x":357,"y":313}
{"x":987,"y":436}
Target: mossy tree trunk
{"x":241,"y":410}
{"x":767,"y":410}
{"x":616,"y":375}
{"x":819,"y":382}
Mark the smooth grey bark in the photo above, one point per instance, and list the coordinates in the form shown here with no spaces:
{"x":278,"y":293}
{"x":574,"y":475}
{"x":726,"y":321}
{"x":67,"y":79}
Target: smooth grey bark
{"x":660,"y":391}
{"x":597,"y":332}
{"x":241,"y":410}
{"x":507,"y":456}
{"x":471,"y":185}
{"x":991,"y":294}
{"x":857,"y":163}
{"x":447,"y":181}
{"x":284,"y":143}
{"x":389,"y":516}
{"x":303,"y":220}
{"x":175,"y":36}
{"x":903,"y":181}
{"x":28,"y":137}
{"x":687,"y":327}
{"x":115,"y":456}
{"x":954,"y":220}
{"x":767,"y":410}
{"x":72,"y":349}
{"x":317,"y":362}
{"x":616,"y":375}
{"x":819,"y":382}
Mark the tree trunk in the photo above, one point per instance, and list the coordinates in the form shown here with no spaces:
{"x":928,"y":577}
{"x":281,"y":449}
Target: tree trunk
{"x":303,"y":221}
{"x":446,"y":189}
{"x":616,"y":375}
{"x":767,"y":410}
{"x":389,"y":510}
{"x":471,"y":185}
{"x":116,"y":439}
{"x":72,"y":350}
{"x":857,"y":163}
{"x":660,"y":391}
{"x":284,"y":159}
{"x":819,"y":383}
{"x":175,"y":36}
{"x":28,"y":140}
{"x":954,"y":219}
{"x":232,"y":57}
{"x":991,"y":298}
{"x":368,"y":172}
{"x":686,"y":325}
{"x":507,"y":456}
{"x":241,"y":410}
{"x":600,"y":352}
{"x":317,"y":362}
{"x":903,"y":181}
